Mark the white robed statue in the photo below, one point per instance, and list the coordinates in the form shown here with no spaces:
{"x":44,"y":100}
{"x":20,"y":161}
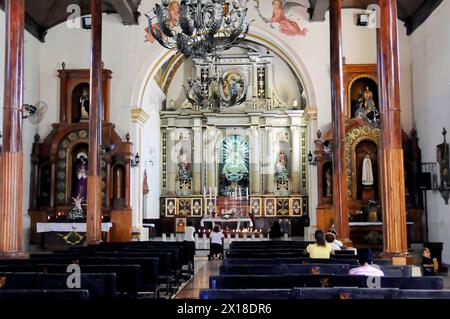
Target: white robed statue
{"x":367,"y":172}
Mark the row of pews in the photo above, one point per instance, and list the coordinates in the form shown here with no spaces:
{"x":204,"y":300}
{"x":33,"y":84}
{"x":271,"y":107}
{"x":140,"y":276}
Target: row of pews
{"x":282,"y":270}
{"x":108,"y":271}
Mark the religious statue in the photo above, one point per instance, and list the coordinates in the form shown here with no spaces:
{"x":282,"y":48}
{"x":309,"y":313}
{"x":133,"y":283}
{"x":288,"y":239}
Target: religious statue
{"x":367,"y":172}
{"x":329,"y":182}
{"x":84,"y":102}
{"x":81,"y":175}
{"x":236,"y":152}
{"x":282,"y":172}
{"x":183,"y":167}
{"x":77,"y":211}
{"x":367,"y":108}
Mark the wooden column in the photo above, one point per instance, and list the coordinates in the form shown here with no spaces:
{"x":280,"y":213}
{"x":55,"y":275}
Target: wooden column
{"x":94,"y":200}
{"x":11,"y":163}
{"x":340,"y":197}
{"x":391,"y":154}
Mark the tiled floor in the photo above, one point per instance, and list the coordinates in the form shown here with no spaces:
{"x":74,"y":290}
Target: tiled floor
{"x":203,"y":270}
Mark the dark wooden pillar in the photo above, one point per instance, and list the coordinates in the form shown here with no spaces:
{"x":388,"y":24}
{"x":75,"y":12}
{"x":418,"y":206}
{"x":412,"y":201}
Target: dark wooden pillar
{"x":11,"y":163}
{"x":53,"y":161}
{"x":94,"y":200}
{"x":391,"y":154}
{"x":340,"y":196}
{"x":127,"y":181}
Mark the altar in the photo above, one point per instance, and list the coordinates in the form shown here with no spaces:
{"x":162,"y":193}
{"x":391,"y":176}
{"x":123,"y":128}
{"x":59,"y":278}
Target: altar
{"x":222,"y":221}
{"x":59,"y":236}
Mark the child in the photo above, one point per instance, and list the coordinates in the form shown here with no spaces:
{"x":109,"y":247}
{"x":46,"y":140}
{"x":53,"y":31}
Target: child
{"x":217,"y":240}
{"x":428,"y":263}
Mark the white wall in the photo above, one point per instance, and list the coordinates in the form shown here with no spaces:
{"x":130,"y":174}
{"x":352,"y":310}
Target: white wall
{"x":31,"y":96}
{"x":430,"y":48}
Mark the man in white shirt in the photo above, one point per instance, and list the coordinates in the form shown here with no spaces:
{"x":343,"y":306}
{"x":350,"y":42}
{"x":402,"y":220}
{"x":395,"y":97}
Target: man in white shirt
{"x":365,"y":259}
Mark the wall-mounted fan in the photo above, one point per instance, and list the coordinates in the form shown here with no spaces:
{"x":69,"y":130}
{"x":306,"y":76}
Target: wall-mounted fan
{"x":35,"y":113}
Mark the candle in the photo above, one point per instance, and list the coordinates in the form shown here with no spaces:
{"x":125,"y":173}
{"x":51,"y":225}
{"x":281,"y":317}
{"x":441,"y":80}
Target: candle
{"x":247,"y":192}
{"x":210,"y":194}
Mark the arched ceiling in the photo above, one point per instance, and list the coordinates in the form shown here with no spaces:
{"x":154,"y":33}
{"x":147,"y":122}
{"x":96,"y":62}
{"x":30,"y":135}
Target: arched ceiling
{"x":42,"y":15}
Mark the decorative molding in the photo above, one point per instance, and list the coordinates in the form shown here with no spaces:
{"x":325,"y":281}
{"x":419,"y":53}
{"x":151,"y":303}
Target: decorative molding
{"x":309,"y":114}
{"x":139,"y":116}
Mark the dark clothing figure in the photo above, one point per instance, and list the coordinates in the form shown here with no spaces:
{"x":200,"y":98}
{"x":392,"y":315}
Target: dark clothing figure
{"x":275,"y":231}
{"x":427,"y":266}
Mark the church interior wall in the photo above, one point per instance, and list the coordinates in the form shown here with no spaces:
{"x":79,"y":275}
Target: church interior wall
{"x":430,"y":47}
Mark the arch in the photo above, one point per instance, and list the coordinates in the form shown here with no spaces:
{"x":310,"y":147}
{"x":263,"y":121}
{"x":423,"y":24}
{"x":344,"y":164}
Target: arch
{"x":257,"y":35}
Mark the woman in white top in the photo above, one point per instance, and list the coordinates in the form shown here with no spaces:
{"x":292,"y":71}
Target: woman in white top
{"x":217,"y":240}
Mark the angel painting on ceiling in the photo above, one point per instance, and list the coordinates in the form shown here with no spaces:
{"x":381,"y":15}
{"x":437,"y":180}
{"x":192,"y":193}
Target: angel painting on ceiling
{"x":281,"y":10}
{"x":173,"y":15}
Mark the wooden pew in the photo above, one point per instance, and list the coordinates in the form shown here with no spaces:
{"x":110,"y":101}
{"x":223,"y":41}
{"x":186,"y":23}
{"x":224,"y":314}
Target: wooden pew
{"x":321,"y":281}
{"x":44,"y":294}
{"x":245,"y":294}
{"x":100,"y":286}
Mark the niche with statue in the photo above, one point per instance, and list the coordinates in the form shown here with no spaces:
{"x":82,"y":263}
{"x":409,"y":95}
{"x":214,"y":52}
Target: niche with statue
{"x":282,"y":174}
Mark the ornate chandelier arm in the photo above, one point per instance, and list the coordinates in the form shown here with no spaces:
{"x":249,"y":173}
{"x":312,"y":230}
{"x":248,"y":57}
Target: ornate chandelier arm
{"x":161,"y":15}
{"x":199,"y":22}
{"x":185,"y":21}
{"x":216,"y":17}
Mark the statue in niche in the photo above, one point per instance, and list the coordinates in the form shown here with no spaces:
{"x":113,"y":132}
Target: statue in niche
{"x":81,"y":171}
{"x":367,"y":108}
{"x":329,"y":183}
{"x":84,"y":102}
{"x":367,"y":172}
{"x":282,"y":172}
{"x":183,"y":166}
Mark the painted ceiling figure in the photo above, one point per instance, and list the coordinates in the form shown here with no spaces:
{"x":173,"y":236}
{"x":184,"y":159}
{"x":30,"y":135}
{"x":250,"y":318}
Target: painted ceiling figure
{"x":280,"y":10}
{"x":172,"y":21}
{"x":235,"y":159}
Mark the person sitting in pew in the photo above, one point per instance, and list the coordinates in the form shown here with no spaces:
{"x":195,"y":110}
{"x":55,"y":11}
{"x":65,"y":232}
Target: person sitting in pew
{"x":428,"y":263}
{"x":321,"y":249}
{"x":365,"y":259}
{"x":336,"y":241}
{"x":330,"y":238}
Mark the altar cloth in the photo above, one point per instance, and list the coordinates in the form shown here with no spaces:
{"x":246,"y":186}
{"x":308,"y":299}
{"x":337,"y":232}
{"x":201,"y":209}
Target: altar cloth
{"x":67,"y":227}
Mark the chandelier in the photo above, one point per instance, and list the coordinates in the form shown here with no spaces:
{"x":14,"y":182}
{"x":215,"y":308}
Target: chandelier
{"x":216,"y":91}
{"x":197,"y":28}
